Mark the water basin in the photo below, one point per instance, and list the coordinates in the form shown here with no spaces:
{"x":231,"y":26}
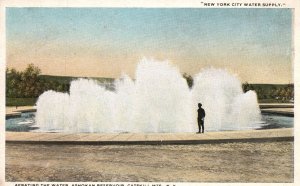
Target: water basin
{"x":26,"y":123}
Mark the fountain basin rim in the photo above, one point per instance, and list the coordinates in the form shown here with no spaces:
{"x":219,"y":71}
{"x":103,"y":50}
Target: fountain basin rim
{"x":269,"y":135}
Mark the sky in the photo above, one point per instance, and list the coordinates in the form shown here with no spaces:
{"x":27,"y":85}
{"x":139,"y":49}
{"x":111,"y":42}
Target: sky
{"x":255,"y":44}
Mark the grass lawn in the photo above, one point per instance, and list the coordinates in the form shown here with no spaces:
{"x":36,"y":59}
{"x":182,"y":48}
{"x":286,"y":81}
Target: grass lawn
{"x":273,"y":101}
{"x":32,"y":101}
{"x":20,"y":101}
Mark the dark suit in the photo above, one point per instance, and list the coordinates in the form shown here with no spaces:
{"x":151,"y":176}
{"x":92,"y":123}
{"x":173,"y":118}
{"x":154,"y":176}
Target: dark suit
{"x":201,"y":115}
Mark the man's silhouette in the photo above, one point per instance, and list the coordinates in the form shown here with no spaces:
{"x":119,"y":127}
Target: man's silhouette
{"x":201,"y":116}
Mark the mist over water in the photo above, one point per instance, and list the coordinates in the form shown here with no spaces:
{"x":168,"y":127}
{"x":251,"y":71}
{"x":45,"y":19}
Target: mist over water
{"x":159,"y":100}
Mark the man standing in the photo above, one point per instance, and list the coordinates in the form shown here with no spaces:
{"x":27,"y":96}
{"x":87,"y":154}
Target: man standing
{"x":201,"y":116}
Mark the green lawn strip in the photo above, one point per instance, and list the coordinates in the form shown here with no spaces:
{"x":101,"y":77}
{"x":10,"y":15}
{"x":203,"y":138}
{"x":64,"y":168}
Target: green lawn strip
{"x":32,"y":101}
{"x":20,"y":101}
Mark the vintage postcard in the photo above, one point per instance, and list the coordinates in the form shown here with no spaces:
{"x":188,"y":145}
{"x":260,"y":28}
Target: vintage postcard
{"x":138,"y":93}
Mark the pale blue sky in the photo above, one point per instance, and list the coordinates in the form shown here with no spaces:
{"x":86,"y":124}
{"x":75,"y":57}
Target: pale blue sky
{"x":108,"y":41}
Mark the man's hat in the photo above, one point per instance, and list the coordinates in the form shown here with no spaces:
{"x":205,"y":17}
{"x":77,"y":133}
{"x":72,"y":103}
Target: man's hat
{"x":199,"y":104}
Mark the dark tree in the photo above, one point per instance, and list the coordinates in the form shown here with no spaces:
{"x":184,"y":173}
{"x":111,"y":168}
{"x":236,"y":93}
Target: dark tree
{"x":189,"y":79}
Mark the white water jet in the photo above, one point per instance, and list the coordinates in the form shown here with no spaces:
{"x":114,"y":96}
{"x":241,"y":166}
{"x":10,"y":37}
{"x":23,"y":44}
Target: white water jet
{"x":159,"y":100}
{"x":225,"y":104}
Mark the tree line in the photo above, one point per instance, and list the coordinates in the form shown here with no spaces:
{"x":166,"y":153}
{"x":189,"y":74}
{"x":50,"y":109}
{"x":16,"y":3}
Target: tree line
{"x":280,"y":93}
{"x":30,"y":84}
